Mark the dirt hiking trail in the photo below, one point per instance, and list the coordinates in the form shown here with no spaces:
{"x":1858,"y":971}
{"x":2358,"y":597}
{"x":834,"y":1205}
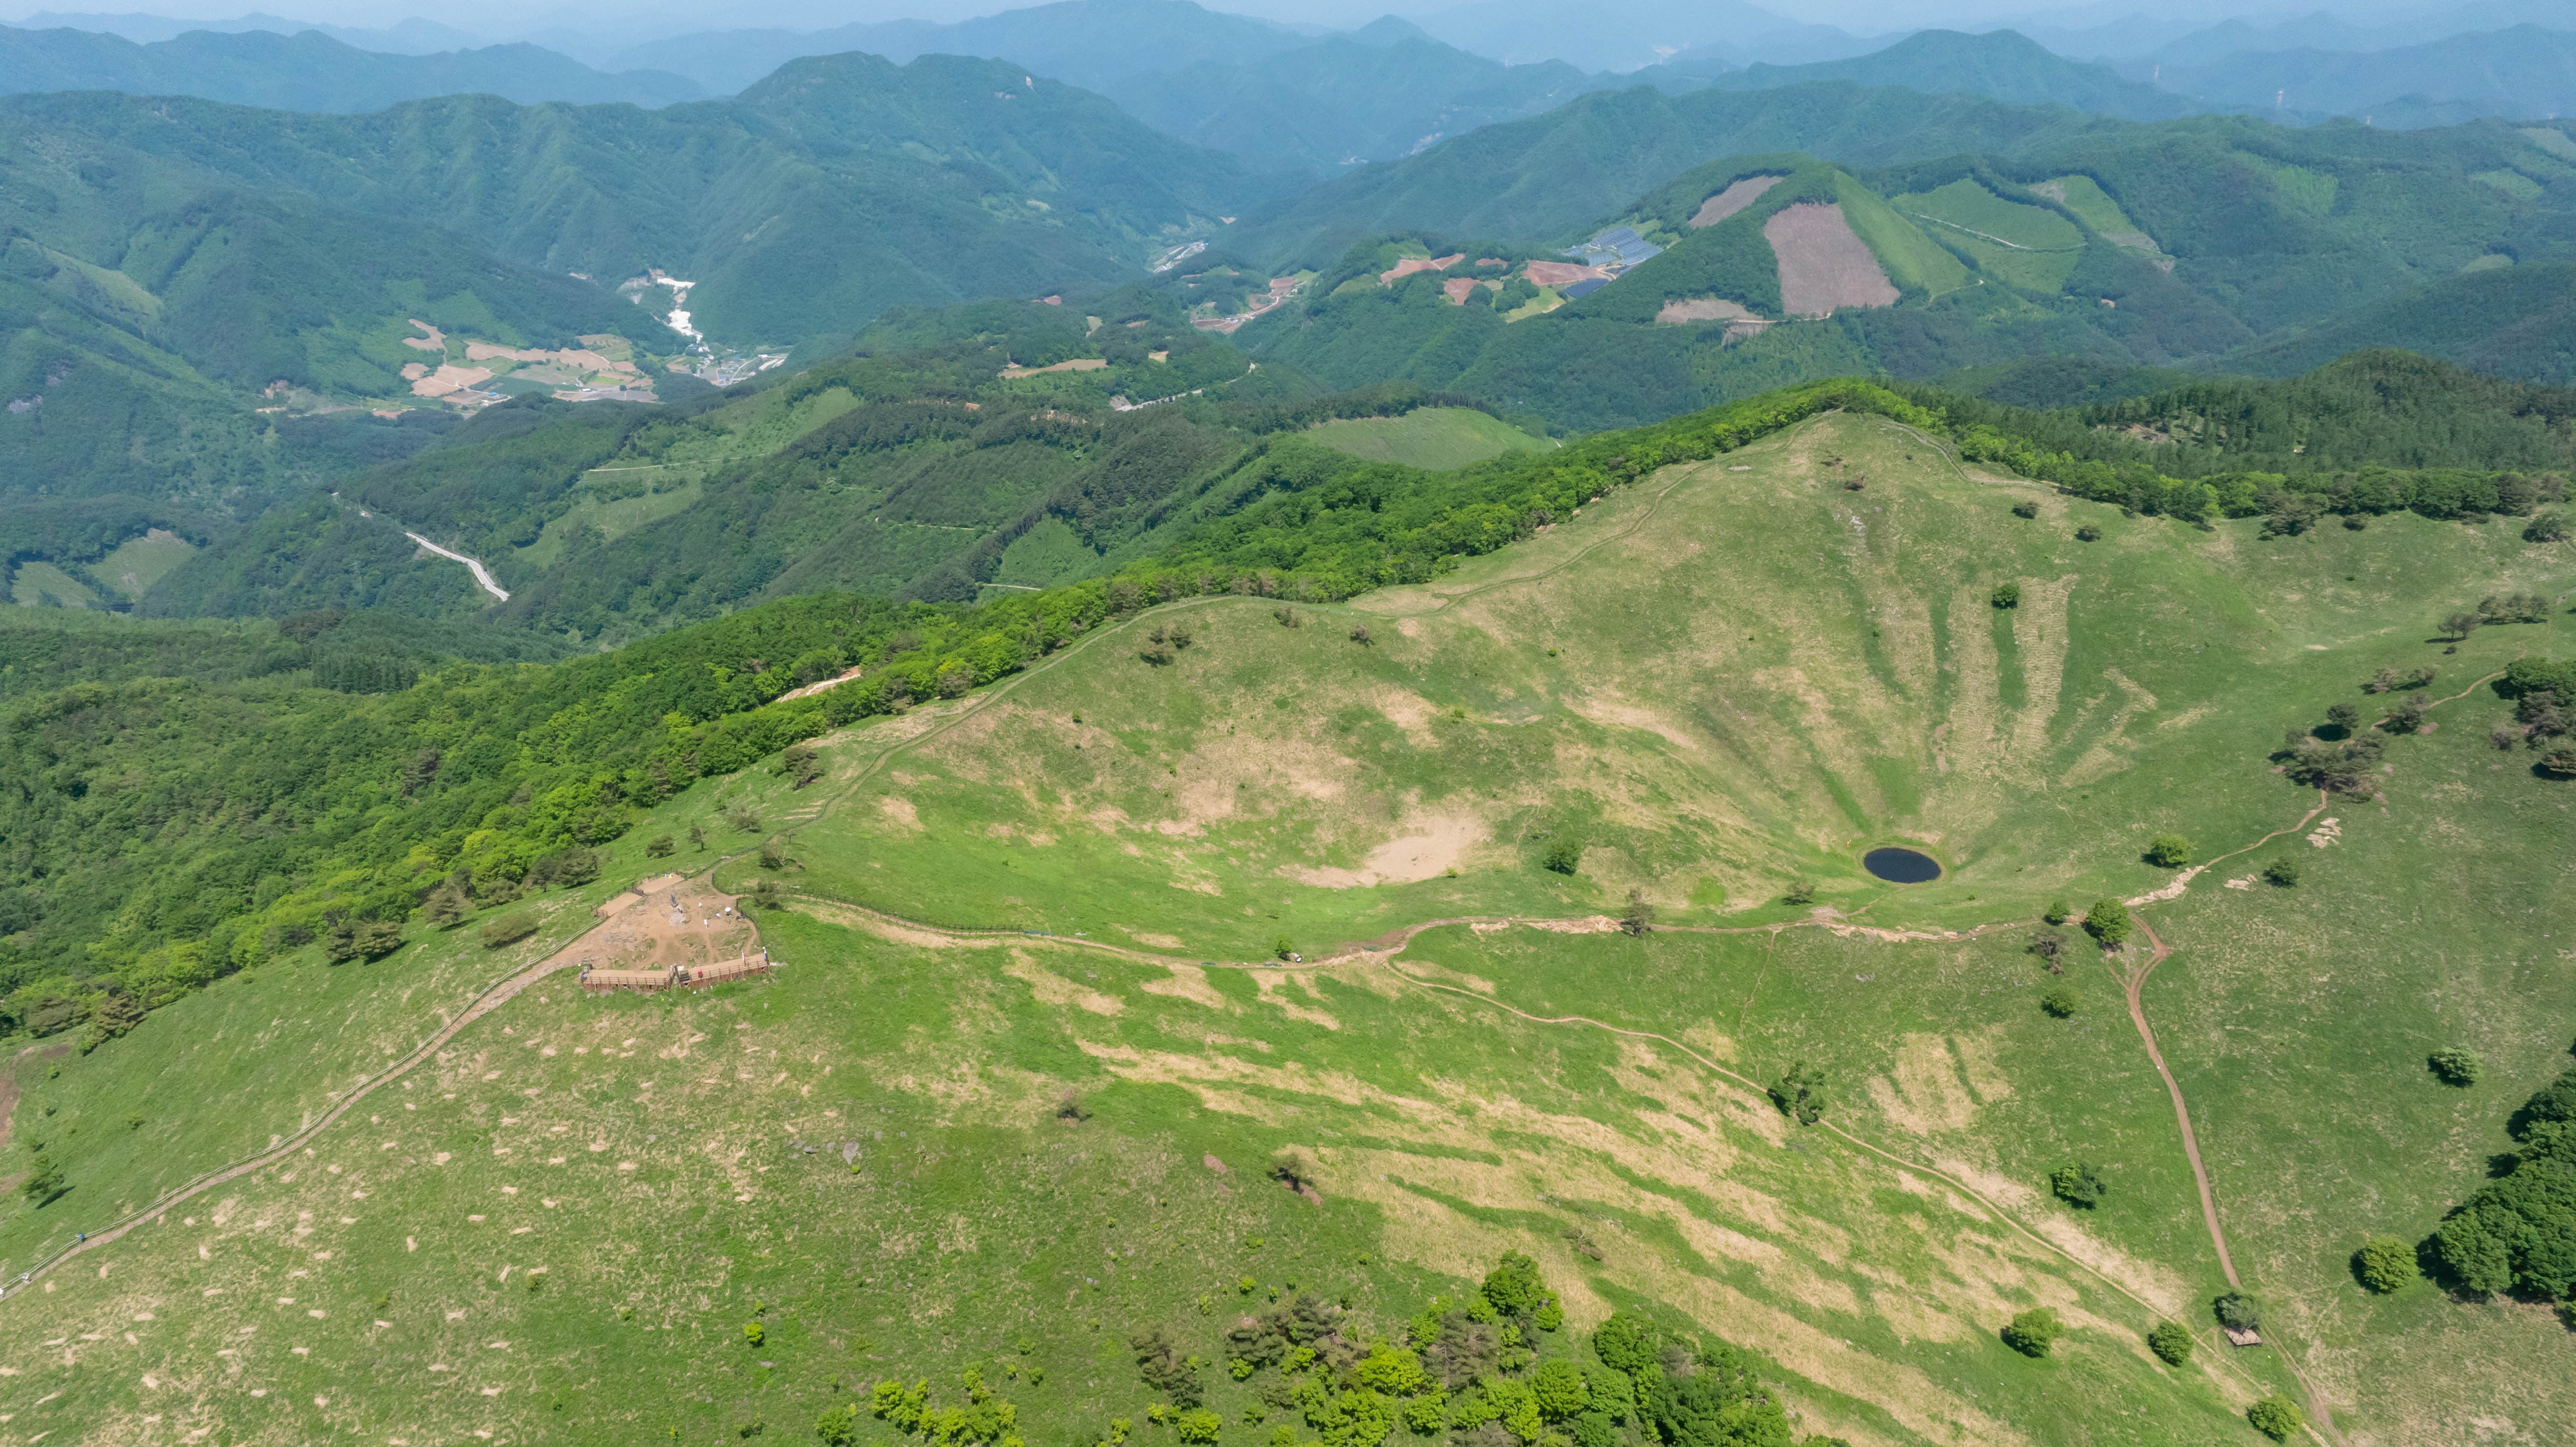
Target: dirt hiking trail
{"x":584,"y":948}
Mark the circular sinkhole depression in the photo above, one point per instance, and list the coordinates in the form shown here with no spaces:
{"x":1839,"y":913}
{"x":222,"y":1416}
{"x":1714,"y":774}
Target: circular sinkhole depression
{"x":1901,"y":866}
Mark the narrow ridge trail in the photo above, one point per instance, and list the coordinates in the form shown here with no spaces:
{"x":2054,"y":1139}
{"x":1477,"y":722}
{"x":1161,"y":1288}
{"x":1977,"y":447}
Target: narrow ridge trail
{"x":571,"y":954}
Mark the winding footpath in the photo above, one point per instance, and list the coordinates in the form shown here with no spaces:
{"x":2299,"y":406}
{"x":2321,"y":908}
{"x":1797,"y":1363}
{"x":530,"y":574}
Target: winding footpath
{"x":482,"y":574}
{"x":501,"y":993}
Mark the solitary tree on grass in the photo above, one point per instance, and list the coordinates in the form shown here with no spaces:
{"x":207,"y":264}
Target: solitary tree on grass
{"x":2384,"y":1263}
{"x":2077,"y":1184}
{"x":2108,"y":921}
{"x":1800,"y":1093}
{"x":2277,"y":1417}
{"x":1639,"y":916}
{"x":45,"y":1182}
{"x":2454,"y":1065}
{"x":2033,"y":1332}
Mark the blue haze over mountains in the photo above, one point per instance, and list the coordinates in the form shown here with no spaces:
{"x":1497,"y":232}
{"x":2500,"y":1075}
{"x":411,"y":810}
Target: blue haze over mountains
{"x":1315,"y":97}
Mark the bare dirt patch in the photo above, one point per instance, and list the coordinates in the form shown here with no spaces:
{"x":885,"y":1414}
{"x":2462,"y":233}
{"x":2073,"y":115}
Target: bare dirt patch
{"x":1926,"y":1093}
{"x":1187,"y":982}
{"x":1682,"y":312}
{"x":1411,"y":264}
{"x":1054,"y":989}
{"x":1428,"y":845}
{"x":1560,"y":273}
{"x":664,"y":922}
{"x":1078,"y":364}
{"x":1734,"y":198}
{"x":450,"y":378}
{"x":1823,"y":265}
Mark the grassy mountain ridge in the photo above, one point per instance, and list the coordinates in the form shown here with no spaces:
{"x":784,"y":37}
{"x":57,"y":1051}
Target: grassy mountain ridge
{"x":1279,"y":517}
{"x":1020,"y":1126}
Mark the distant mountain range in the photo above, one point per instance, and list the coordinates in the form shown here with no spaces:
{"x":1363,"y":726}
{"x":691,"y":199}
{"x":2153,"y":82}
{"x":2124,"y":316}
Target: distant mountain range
{"x":169,"y":259}
{"x":2525,"y":73}
{"x":1281,"y":99}
{"x":1089,"y":43}
{"x":1273,"y":97}
{"x":310,"y":71}
{"x":1984,"y":232}
{"x":414,"y":36}
{"x":1999,"y":65}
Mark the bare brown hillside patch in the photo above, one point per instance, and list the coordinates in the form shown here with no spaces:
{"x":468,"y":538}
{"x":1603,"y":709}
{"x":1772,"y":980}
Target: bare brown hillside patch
{"x":1561,"y":273}
{"x":1966,"y":739}
{"x":1823,"y":265}
{"x":1050,"y":988}
{"x":1272,"y":989}
{"x":1924,"y":1094}
{"x":1411,"y":264}
{"x":2039,"y":633}
{"x":1685,"y":310}
{"x":1736,"y":196}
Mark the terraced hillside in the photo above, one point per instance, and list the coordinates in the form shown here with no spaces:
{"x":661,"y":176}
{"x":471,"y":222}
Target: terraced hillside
{"x":1034,"y":1080}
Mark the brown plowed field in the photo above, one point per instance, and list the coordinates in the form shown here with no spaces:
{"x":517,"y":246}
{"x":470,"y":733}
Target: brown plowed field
{"x":1559,"y":273}
{"x":1822,"y":264}
{"x":1734,"y":198}
{"x":1411,"y":264}
{"x":1702,"y":309}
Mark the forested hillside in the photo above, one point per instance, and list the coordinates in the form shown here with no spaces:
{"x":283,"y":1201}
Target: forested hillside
{"x":2278,"y":226}
{"x":2204,"y":242}
{"x":197,"y":318}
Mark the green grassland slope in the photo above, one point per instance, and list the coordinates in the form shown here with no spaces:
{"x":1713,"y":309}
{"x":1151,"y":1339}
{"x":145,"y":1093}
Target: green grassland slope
{"x":921,"y":1149}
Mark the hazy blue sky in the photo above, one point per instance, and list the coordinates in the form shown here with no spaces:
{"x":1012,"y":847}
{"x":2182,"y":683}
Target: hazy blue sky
{"x":1859,"y":16}
{"x":1617,"y":35}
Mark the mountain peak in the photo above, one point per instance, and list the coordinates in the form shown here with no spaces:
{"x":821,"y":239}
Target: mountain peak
{"x":1387,"y":30}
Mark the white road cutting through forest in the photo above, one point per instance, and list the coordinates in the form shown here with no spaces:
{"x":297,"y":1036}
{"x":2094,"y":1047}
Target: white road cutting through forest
{"x":482,"y":574}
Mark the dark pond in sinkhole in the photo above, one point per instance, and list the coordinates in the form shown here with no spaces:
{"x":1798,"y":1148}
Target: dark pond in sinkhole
{"x":1901,"y":866}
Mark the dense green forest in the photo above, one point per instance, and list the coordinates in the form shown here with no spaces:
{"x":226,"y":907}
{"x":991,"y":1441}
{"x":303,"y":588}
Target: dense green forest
{"x":2201,"y":241}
